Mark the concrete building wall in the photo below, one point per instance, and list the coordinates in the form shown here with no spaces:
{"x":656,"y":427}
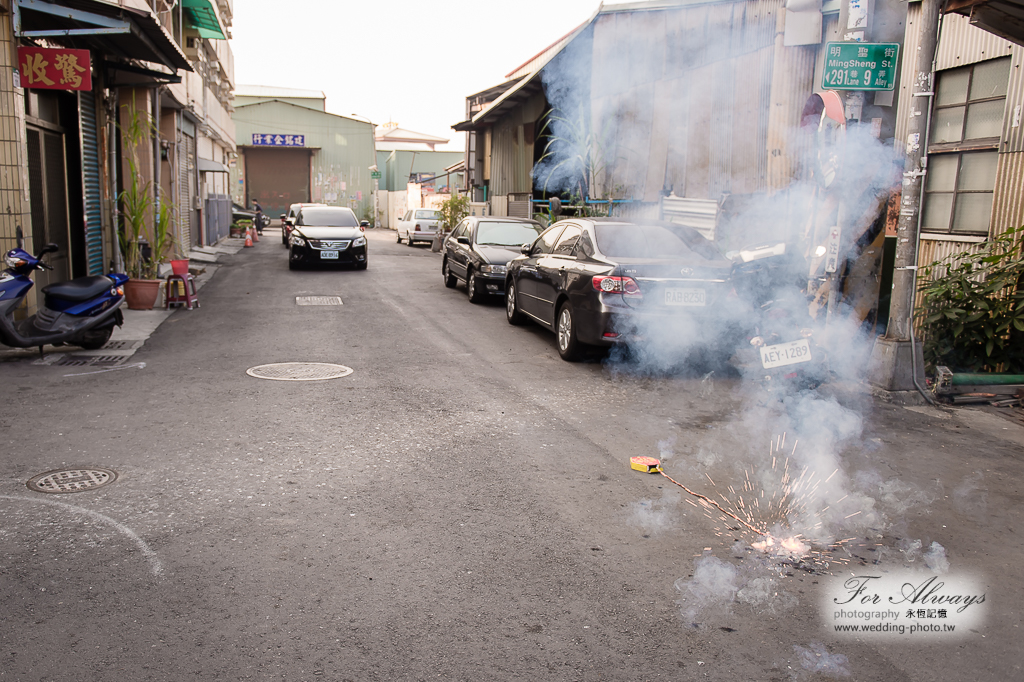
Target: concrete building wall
{"x":14,"y":199}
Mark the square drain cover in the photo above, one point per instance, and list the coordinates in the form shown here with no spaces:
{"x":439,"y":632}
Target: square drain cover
{"x":318,"y":300}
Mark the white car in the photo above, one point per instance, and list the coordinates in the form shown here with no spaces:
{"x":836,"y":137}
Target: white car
{"x":418,"y":225}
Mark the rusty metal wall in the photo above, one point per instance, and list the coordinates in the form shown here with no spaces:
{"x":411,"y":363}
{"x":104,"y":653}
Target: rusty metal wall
{"x":1008,"y":200}
{"x":961,"y":44}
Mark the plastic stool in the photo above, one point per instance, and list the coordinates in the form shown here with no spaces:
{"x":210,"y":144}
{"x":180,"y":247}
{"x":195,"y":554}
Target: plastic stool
{"x":188,"y":285}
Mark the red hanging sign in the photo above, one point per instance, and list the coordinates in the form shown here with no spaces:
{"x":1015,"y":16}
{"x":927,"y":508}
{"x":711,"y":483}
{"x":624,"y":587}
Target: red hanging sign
{"x":47,"y":68}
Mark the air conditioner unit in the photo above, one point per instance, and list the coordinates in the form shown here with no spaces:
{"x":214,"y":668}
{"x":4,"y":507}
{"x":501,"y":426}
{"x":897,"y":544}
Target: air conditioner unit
{"x":193,"y":44}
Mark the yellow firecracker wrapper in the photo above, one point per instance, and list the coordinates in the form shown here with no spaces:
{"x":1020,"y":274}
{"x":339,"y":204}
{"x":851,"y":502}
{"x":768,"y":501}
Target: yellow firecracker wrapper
{"x":648,"y":465}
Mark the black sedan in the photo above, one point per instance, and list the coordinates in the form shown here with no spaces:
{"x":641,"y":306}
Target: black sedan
{"x":650,"y":286}
{"x":478,"y":251}
{"x":326,"y":235}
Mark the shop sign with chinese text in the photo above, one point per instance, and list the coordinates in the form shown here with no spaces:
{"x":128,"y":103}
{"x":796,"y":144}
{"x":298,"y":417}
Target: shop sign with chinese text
{"x":47,"y":68}
{"x":860,"y":66}
{"x":274,"y":140}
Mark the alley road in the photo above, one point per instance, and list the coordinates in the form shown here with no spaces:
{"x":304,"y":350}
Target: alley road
{"x":460,"y":507}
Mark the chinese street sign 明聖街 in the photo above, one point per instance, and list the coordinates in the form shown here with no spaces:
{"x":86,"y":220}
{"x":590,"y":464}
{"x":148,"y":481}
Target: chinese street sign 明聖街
{"x":860,"y":66}
{"x":276,"y":140}
{"x":48,"y":68}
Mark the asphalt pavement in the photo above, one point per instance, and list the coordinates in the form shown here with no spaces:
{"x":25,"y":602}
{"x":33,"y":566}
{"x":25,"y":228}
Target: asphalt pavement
{"x":460,"y":505}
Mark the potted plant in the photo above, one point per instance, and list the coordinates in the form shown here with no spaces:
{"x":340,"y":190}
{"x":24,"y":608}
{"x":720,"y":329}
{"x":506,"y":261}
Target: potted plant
{"x":147,"y":235}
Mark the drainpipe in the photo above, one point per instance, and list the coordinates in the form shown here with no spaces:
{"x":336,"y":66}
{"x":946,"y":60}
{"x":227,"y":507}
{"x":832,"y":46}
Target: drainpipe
{"x":112,"y":113}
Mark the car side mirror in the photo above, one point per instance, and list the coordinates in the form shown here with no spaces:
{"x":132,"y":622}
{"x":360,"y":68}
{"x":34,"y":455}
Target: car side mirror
{"x":525,"y":249}
{"x":282,"y":217}
{"x":364,"y":223}
{"x":462,"y":240}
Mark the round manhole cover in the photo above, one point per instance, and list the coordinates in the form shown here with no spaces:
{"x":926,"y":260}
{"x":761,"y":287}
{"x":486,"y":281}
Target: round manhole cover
{"x":299,"y":371}
{"x":71,"y":480}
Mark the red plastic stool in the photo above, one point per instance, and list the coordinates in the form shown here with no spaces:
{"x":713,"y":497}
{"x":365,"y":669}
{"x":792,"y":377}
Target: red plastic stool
{"x":180,"y":273}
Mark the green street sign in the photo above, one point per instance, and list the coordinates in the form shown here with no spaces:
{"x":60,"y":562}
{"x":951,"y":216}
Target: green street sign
{"x":860,"y":66}
{"x":375,"y":175}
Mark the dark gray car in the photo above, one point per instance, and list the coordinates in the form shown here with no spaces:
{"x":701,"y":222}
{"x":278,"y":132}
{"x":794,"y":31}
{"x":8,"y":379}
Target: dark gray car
{"x":478,"y":250}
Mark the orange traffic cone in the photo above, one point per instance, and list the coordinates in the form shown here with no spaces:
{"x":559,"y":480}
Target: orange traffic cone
{"x":248,"y":237}
{"x":255,"y":235}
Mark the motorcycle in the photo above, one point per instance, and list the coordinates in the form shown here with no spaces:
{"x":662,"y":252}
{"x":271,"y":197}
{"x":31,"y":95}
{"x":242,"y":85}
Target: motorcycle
{"x":80,"y":312}
{"x":782,"y":351}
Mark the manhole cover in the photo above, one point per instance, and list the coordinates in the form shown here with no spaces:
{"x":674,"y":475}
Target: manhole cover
{"x":299,"y":371}
{"x":318,"y":300}
{"x":71,"y":480}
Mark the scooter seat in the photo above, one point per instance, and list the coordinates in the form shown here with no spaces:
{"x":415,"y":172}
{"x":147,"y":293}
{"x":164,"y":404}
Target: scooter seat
{"x":79,"y":289}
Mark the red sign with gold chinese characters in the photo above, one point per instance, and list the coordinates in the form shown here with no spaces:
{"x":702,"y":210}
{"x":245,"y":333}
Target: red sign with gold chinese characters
{"x":54,"y":68}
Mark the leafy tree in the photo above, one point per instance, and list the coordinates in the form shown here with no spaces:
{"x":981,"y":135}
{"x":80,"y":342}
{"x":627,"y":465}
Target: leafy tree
{"x":452,"y":211}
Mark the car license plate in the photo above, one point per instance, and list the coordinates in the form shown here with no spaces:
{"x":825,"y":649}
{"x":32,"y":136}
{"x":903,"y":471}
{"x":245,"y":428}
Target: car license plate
{"x":326,"y":255}
{"x":782,"y":354}
{"x":685,"y":297}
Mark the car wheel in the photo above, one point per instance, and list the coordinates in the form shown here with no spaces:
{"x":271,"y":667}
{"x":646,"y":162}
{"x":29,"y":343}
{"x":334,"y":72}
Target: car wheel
{"x":512,"y":313}
{"x":449,"y":278}
{"x":569,"y":346}
{"x":409,"y":238}
{"x":399,"y":235}
{"x":293,"y":263}
{"x":473,"y":288}
{"x":362,"y":265}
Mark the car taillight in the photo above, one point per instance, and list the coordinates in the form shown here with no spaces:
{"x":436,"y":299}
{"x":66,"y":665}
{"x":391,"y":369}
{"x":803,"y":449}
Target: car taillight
{"x":617,"y":285}
{"x":417,"y":227}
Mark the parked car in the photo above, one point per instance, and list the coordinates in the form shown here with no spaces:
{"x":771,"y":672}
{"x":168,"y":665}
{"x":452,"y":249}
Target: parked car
{"x":288,"y":221}
{"x":479,"y":249}
{"x":603,"y":283}
{"x":418,"y":225}
{"x":326,"y":235}
{"x":239,"y":212}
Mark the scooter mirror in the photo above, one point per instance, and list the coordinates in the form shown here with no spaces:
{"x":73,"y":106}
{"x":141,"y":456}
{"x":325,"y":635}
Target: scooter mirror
{"x":49,"y":248}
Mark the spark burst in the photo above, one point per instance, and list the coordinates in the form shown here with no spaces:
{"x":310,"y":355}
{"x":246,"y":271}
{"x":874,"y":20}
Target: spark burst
{"x":769,"y":515}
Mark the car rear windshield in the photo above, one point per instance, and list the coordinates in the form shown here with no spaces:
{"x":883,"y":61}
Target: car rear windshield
{"x":651,"y":241}
{"x":506,"y":234}
{"x":329,"y":217}
{"x":427,"y":215}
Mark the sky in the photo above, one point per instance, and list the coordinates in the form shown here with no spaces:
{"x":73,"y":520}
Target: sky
{"x":413,"y":63}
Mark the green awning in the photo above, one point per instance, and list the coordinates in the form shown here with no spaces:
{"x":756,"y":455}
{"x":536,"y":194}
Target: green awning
{"x":203,"y":18}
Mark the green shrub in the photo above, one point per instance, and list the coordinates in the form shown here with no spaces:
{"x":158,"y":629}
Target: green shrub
{"x":973,"y":312}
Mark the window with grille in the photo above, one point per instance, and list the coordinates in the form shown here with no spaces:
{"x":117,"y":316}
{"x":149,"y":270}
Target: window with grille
{"x":963,"y":148}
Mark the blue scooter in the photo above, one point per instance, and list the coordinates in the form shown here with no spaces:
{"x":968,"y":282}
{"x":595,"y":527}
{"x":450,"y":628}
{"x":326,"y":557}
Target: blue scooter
{"x":81,"y":312}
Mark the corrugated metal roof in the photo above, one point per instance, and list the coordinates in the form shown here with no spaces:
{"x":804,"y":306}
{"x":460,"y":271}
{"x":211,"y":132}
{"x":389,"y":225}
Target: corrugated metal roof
{"x":274,"y":91}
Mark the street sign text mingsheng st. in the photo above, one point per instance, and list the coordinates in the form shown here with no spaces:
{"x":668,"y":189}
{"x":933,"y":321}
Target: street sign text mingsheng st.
{"x":860,"y":66}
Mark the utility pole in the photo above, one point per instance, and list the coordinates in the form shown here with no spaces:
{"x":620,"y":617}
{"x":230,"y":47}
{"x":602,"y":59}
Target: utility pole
{"x":894,"y":361}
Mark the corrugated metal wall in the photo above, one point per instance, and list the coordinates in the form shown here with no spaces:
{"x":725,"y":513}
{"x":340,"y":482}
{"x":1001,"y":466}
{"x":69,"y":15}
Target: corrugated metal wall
{"x":961,"y":44}
{"x":512,"y":152}
{"x":1013,"y":130}
{"x":91,"y":183}
{"x":345,"y":148}
{"x":1008,"y":200}
{"x":687,"y":106}
{"x":908,"y":65}
{"x":791,"y":82}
